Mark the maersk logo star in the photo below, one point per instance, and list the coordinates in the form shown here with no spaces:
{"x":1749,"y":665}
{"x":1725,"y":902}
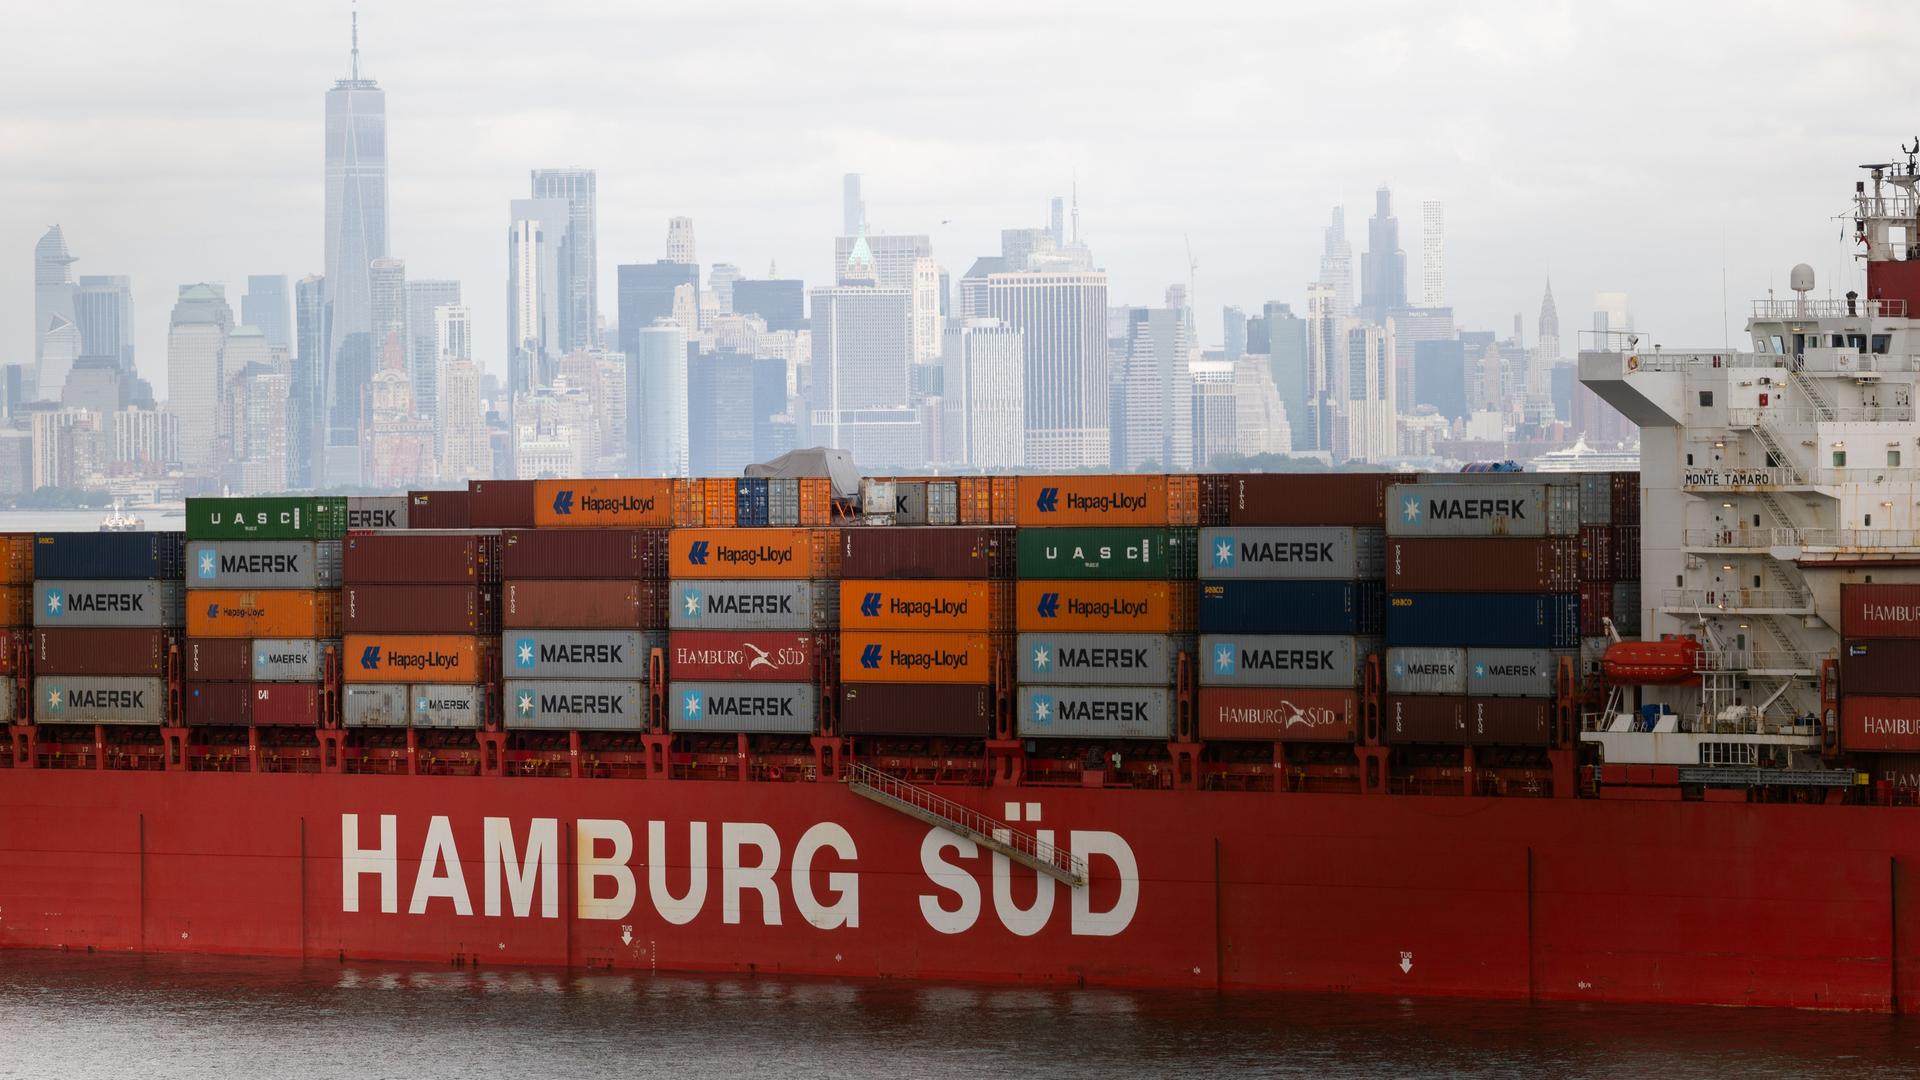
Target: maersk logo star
{"x":1223,"y":552}
{"x":1400,"y":671}
{"x":1411,"y":511}
{"x":693,"y":603}
{"x":56,"y":602}
{"x":209,"y":560}
{"x":1043,"y":708}
{"x":1042,"y":658}
{"x":523,"y":653}
{"x":692,"y":706}
{"x":55,"y":699}
{"x":1479,"y":671}
{"x":526,"y":705}
{"x":1223,"y":659}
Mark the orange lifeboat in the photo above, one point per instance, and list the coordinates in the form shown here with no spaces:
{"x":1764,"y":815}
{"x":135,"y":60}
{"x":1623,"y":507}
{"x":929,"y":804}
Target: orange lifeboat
{"x":1672,"y":660}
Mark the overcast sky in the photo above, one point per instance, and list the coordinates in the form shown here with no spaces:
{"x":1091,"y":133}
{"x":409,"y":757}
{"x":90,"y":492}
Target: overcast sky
{"x":1619,"y":146}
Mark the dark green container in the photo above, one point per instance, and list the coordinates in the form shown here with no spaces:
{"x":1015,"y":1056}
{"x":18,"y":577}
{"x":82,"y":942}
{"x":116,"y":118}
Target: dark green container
{"x":1132,"y":554}
{"x":267,"y":517}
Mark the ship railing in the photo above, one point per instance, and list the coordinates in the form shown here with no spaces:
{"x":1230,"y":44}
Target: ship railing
{"x":1757,"y":660}
{"x":1867,"y":474}
{"x":1782,"y":414}
{"x":1830,"y":308}
{"x":1689,"y":361}
{"x":1021,"y":847}
{"x":1743,"y":538}
{"x":1735,"y":600}
{"x":1868,"y":539}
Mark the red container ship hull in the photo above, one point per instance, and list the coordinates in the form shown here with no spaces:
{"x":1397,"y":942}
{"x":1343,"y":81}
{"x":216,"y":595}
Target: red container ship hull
{"x":1576,"y":899}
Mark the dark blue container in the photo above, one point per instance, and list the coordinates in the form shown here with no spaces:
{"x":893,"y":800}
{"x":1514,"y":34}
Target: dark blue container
{"x":1485,"y":620}
{"x":1291,"y":607}
{"x":750,"y":503}
{"x":97,"y":556}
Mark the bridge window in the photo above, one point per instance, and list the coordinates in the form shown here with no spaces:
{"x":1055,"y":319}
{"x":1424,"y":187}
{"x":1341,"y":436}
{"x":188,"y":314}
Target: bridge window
{"x":1779,"y":344}
{"x":1882,"y":342}
{"x":1857,"y":342}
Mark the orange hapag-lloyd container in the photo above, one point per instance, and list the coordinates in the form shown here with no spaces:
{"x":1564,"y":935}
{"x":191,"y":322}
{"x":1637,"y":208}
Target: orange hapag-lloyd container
{"x":418,"y":658}
{"x":761,"y":554}
{"x":1131,"y":607}
{"x":1107,"y":500}
{"x":923,"y":605}
{"x":263,"y":613}
{"x":916,"y":658}
{"x":576,"y":503}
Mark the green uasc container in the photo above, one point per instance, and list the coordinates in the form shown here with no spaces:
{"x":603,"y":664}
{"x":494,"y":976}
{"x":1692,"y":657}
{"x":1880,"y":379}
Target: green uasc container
{"x":1107,"y":553}
{"x":268,"y":517}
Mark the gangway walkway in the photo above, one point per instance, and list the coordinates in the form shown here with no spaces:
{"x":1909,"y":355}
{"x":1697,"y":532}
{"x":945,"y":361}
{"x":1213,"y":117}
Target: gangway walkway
{"x":1024,"y":848}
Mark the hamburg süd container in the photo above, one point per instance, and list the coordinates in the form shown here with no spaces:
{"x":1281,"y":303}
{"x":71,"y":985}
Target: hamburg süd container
{"x":1482,"y":509}
{"x":1485,"y":620}
{"x":578,"y":654}
{"x":501,"y":504}
{"x":750,"y":708}
{"x":1307,"y":499}
{"x":447,"y":706}
{"x":219,"y":659}
{"x":263,"y":564}
{"x":1427,"y":669}
{"x":1095,"y":712}
{"x":1138,"y":607}
{"x":583,"y":553}
{"x":129,"y":556}
{"x":582,"y":605}
{"x":421,"y":558}
{"x":63,"y":602}
{"x":417,"y":658}
{"x":1875,"y":723}
{"x":1886,"y":667}
{"x":1098,"y":659}
{"x":752,"y":605}
{"x":744,"y":655}
{"x":1484,"y":564}
{"x":620,"y":503}
{"x":268,"y":613}
{"x":970,"y":552}
{"x":99,"y":699}
{"x":1880,"y":610}
{"x":1502,"y":673}
{"x":1301,"y":552}
{"x":758,"y":554}
{"x":291,"y":659}
{"x":1145,"y":553}
{"x":1427,"y":719}
{"x":418,"y":609}
{"x":268,"y":517}
{"x":908,"y":657}
{"x":375,"y":705}
{"x":1277,"y":714}
{"x":261,"y":704}
{"x":1291,"y":607}
{"x":370,"y":513}
{"x":917,"y":709}
{"x":102,"y":651}
{"x":1142,"y":499}
{"x":925,"y":605}
{"x":1284,"y":660}
{"x":574,"y":705}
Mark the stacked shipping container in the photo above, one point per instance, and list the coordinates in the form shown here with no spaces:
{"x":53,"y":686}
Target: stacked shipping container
{"x":421,"y":611}
{"x":1880,"y":668}
{"x":16,"y":615}
{"x":107,"y":613}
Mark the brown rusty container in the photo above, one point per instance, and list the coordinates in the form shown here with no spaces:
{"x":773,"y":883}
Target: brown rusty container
{"x":957,"y":552}
{"x":583,"y":554}
{"x":583,"y":605}
{"x":947,"y":711}
{"x":1880,"y":611}
{"x":258,"y":704}
{"x":1510,"y":721}
{"x":219,"y":659}
{"x":1306,"y":499}
{"x":105,"y":651}
{"x":1484,"y":564}
{"x":16,"y":558}
{"x":418,"y":609}
{"x":1425,"y":720}
{"x":1881,"y":666}
{"x":500,"y":504}
{"x":420,"y":558}
{"x":439,"y":510}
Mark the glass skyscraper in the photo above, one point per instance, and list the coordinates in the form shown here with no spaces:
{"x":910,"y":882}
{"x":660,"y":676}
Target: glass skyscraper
{"x":356,"y":235}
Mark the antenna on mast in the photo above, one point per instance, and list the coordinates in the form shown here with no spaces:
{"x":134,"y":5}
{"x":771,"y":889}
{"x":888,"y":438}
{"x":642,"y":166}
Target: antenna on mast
{"x":356,"y":40}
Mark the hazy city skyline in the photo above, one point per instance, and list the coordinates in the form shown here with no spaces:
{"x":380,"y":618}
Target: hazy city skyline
{"x":178,"y":157}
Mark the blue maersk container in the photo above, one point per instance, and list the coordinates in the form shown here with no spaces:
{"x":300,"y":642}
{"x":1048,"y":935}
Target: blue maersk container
{"x":1291,"y":607}
{"x":1485,"y":620}
{"x":98,"y":556}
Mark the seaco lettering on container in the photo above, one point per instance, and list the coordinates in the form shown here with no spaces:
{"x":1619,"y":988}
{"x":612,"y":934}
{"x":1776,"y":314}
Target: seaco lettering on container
{"x":1482,"y":510}
{"x":1321,"y":553}
{"x":915,"y":657}
{"x":107,"y":603}
{"x":60,"y":699}
{"x":752,"y":708}
{"x":1095,"y":712}
{"x":750,"y":605}
{"x":1284,"y":660}
{"x":1097,"y":659}
{"x":263,"y":564}
{"x":577,"y":654}
{"x":569,"y":705}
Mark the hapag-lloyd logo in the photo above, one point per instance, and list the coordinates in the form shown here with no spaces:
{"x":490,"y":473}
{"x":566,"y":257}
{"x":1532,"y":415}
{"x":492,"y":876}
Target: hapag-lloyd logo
{"x":754,"y":555}
{"x":618,"y":504}
{"x":377,"y":657}
{"x":1108,"y":609}
{"x":741,"y":869}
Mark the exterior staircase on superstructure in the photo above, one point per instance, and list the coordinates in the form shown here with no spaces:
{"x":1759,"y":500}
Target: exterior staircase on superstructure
{"x":917,"y":802}
{"x":1811,"y":392}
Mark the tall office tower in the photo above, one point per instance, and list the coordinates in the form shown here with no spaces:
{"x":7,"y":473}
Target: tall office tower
{"x":103,"y":309}
{"x":647,"y":292}
{"x":53,"y":315}
{"x":452,"y":333}
{"x":1025,"y":249}
{"x":538,"y":268}
{"x":680,"y":245}
{"x":59,"y":349}
{"x":1383,"y":269}
{"x":1057,"y":221}
{"x":722,"y":277}
{"x":580,"y":308}
{"x":1440,"y":377}
{"x":656,"y":398}
{"x":1213,"y":413}
{"x":781,"y":302}
{"x":971,"y":301}
{"x":1064,"y":320}
{"x":423,"y":357}
{"x":1260,"y":416}
{"x":1336,"y":266}
{"x":196,"y":369}
{"x":392,"y":345}
{"x":1287,"y":360}
{"x":902,"y":262}
{"x":1547,"y":353}
{"x":1233,"y":329}
{"x":853,"y":208}
{"x":925,"y":310}
{"x":862,"y":394}
{"x":984,"y":395}
{"x":464,"y":450}
{"x":1325,"y":370}
{"x":1373,"y":420}
{"x":1433,"y":253}
{"x":1156,"y":390}
{"x":268,"y":306}
{"x":356,"y":235}
{"x":257,"y":400}
{"x":306,"y":410}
